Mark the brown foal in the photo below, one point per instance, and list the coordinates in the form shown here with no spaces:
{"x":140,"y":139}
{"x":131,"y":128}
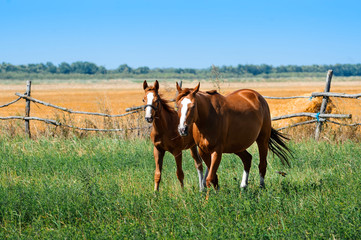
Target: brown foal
{"x":165,"y":136}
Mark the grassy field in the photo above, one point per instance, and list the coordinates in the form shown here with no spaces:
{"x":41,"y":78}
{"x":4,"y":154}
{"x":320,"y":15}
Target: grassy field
{"x":102,"y":188}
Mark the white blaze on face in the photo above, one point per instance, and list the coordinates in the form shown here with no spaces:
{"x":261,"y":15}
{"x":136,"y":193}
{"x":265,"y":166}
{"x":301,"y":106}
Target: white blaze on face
{"x":148,"y":110}
{"x":184,"y":111}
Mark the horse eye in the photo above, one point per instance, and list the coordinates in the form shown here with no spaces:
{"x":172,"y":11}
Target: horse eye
{"x":143,"y":100}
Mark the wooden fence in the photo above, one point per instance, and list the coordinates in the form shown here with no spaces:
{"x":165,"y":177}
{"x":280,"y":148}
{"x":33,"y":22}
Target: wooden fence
{"x":319,"y":118}
{"x":27,"y":118}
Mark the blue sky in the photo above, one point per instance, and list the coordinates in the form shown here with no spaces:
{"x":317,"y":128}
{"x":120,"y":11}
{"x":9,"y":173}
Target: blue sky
{"x":183,"y":34}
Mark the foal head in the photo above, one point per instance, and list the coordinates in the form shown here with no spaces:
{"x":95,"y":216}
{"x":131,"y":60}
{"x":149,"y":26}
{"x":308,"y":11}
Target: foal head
{"x":151,"y":98}
{"x":187,"y":109}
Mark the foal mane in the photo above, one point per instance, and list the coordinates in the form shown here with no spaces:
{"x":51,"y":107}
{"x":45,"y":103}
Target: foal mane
{"x":165,"y":104}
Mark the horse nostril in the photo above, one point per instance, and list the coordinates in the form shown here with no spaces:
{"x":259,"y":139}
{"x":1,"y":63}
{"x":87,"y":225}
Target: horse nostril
{"x":149,"y":119}
{"x":183,"y":131}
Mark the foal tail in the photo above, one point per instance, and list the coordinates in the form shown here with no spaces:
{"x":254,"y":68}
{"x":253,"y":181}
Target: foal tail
{"x":278,"y":146}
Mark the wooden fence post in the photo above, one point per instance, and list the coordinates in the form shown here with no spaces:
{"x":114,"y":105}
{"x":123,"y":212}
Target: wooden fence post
{"x":323,"y":104}
{"x":27,"y":109}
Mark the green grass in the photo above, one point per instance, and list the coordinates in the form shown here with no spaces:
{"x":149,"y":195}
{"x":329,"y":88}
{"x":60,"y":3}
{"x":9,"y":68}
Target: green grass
{"x":102,"y":188}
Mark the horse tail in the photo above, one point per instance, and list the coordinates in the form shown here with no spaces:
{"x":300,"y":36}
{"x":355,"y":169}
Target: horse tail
{"x":278,"y":146}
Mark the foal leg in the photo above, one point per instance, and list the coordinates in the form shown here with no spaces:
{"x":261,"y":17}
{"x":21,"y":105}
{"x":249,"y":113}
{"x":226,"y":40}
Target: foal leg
{"x":180,"y":174}
{"x":199,"y":166}
{"x":263,"y":151}
{"x":158,"y":157}
{"x":246,"y":158}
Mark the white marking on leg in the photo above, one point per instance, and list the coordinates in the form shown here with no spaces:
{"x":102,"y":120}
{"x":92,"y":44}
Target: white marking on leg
{"x":205,"y":178}
{"x":261,"y":181}
{"x":200,"y":179}
{"x":244,"y":182}
{"x":184,"y":111}
{"x":148,"y":110}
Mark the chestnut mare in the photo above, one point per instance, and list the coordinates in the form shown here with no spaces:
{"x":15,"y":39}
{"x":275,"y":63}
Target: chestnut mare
{"x":165,"y":136}
{"x":229,"y":124}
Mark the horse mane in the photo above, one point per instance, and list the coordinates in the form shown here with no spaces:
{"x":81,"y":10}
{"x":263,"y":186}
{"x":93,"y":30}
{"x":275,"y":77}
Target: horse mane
{"x":184,"y":93}
{"x":187,"y":91}
{"x":212,"y":92}
{"x":165,"y":104}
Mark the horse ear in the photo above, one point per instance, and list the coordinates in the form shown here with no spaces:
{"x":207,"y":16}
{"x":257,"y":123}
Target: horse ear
{"x":145,"y":84}
{"x":156,"y":85}
{"x":196,"y":89}
{"x":179,"y":88}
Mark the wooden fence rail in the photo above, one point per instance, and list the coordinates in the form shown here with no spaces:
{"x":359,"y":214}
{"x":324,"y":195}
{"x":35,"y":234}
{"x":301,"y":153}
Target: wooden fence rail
{"x":293,"y":97}
{"x":321,"y":94}
{"x":320,"y":117}
{"x":340,"y":95}
{"x":59,"y":124}
{"x":12,"y":102}
{"x":69,"y":110}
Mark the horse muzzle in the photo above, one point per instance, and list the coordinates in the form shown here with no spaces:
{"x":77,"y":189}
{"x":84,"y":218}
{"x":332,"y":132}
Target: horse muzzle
{"x":149,"y":119}
{"x":183,"y":131}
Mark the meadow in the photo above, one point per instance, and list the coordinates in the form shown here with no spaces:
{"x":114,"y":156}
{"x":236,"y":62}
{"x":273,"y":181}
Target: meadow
{"x":65,"y":184}
{"x":102,"y":188}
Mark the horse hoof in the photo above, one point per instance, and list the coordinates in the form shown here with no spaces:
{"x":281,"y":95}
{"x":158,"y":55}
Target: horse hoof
{"x":207,"y":197}
{"x":243,"y":186}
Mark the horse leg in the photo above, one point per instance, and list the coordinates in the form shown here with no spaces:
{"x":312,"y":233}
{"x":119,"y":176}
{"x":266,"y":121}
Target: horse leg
{"x":246,"y":158}
{"x":158,"y":157}
{"x":180,"y":174}
{"x":212,"y":176}
{"x":199,"y":166}
{"x":206,"y":157}
{"x":263,"y":151}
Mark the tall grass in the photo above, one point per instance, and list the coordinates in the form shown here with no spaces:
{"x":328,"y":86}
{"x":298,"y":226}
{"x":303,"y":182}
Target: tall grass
{"x":102,"y":187}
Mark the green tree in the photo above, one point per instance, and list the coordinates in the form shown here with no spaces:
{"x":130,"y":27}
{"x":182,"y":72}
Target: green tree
{"x":102,"y":70}
{"x":64,"y":68}
{"x":124,"y":68}
{"x":142,"y":70}
{"x":51,"y":68}
{"x":84,"y":67}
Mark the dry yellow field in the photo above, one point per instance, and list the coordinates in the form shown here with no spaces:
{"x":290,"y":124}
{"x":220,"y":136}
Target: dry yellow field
{"x":114,"y":97}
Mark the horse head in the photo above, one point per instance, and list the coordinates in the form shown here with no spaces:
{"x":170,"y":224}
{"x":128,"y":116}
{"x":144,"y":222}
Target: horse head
{"x":151,"y":98}
{"x":187,"y":108}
